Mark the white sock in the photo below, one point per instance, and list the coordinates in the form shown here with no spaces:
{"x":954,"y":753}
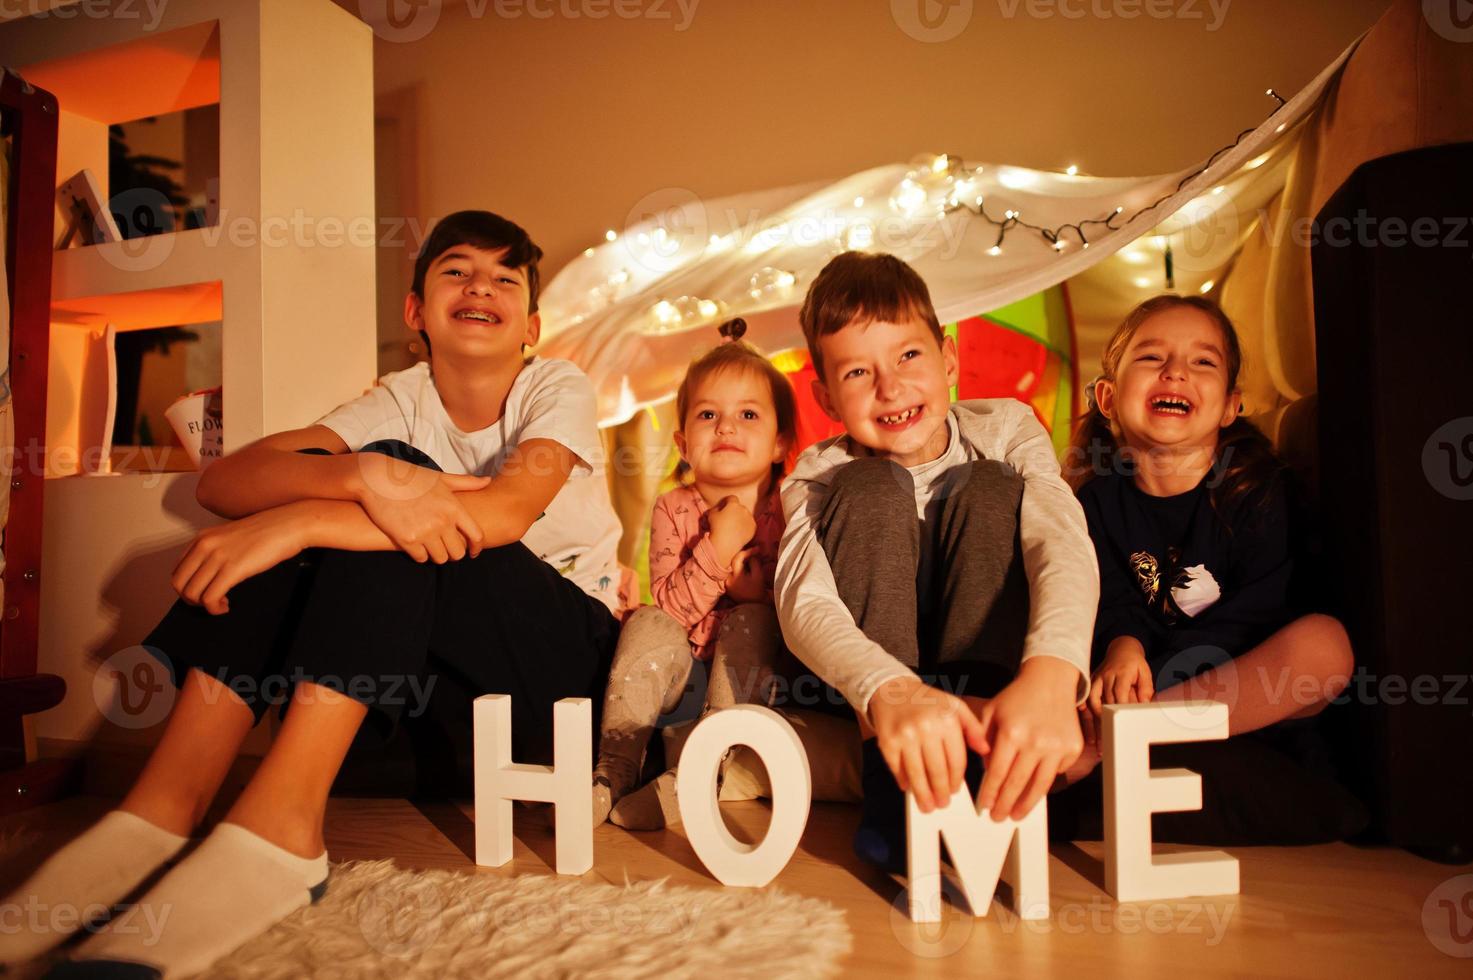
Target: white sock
{"x":234,"y":887}
{"x":81,"y":882}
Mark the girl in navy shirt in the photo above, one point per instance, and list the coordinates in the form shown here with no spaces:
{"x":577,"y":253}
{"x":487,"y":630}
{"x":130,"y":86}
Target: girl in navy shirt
{"x":1186,"y":506}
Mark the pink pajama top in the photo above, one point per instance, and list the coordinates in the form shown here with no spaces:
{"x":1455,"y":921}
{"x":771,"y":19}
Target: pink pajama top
{"x":686,"y":579}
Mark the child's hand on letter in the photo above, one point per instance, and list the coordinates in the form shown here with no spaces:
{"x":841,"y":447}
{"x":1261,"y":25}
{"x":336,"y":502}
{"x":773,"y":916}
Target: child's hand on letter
{"x":417,"y":509}
{"x":1124,"y":677}
{"x":923,"y":733}
{"x":1032,"y":732}
{"x":732,"y":526}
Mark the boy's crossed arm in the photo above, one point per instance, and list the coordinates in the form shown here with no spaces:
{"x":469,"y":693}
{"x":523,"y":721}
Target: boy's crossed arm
{"x":415,"y":506}
{"x":437,"y":523}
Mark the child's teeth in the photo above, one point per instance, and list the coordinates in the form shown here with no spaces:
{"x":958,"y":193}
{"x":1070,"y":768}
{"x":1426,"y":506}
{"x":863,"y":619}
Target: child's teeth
{"x":897,"y":419}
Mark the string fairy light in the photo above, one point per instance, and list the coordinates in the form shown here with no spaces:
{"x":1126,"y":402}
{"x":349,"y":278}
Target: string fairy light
{"x":1056,"y":236}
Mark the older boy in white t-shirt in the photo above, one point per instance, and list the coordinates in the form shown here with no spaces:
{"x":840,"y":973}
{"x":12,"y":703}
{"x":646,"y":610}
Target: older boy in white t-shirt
{"x":453,"y":520}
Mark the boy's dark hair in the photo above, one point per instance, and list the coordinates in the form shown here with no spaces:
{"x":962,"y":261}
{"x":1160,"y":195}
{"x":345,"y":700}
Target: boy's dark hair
{"x":481,"y":229}
{"x":862,"y":288}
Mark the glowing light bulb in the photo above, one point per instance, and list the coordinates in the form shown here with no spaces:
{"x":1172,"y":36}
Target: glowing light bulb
{"x":940,"y":164}
{"x":859,"y":202}
{"x":1206,"y":287}
{"x":995,"y":250}
{"x":768,"y":281}
{"x":1015,"y":179}
{"x":588,"y":252}
{"x":908,"y":197}
{"x":611,"y":235}
{"x":1058,"y":244}
{"x":1072,"y":170}
{"x":1142,"y":281}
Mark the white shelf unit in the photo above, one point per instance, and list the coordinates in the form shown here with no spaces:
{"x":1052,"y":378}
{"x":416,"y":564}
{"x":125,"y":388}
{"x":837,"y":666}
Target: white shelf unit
{"x":294,"y":83}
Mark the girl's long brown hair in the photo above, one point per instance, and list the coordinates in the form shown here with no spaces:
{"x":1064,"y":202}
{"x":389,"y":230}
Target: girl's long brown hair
{"x":1245,"y":460}
{"x":734,"y":353}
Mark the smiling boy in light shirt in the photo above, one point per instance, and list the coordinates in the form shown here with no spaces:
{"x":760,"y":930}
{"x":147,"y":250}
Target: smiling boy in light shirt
{"x":936,"y":569}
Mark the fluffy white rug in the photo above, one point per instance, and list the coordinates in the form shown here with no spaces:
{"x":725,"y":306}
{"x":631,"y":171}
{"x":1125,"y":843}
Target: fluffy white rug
{"x":381,"y":921}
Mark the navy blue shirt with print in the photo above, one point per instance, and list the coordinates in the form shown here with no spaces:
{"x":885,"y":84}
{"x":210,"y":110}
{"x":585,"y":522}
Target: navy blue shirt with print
{"x":1194,"y":586}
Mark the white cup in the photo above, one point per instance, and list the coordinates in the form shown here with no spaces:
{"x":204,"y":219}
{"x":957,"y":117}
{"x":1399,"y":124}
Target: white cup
{"x":196,"y":418}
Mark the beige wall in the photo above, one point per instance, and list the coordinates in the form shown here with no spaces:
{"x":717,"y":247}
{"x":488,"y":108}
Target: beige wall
{"x":565,"y":123}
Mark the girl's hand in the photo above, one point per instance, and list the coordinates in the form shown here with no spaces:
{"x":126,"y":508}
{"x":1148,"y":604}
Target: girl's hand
{"x":732,"y":526}
{"x":745,"y":584}
{"x":417,"y":509}
{"x":1124,"y":677}
{"x":223,"y":556}
{"x":924,"y":732}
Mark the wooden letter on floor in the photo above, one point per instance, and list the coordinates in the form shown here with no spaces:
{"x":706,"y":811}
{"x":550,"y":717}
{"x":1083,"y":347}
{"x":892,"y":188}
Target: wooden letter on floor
{"x":1133,"y":791}
{"x":777,"y":745}
{"x":564,"y":784}
{"x":983,"y":851}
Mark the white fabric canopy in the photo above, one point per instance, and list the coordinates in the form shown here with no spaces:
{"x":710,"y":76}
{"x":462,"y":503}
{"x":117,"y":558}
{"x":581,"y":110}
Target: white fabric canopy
{"x":633,"y":311}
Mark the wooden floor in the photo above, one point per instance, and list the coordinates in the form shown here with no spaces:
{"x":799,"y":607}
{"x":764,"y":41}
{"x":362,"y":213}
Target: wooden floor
{"x":1334,"y":910}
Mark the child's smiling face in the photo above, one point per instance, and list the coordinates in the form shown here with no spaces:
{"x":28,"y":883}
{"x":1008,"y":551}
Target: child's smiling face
{"x":474,"y":307}
{"x":1171,"y":387}
{"x":890,"y":385}
{"x":729,"y":436}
